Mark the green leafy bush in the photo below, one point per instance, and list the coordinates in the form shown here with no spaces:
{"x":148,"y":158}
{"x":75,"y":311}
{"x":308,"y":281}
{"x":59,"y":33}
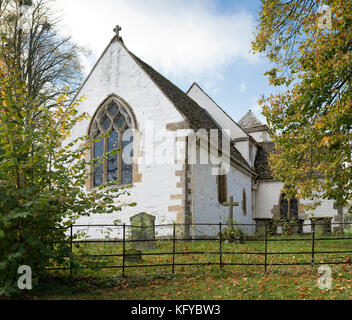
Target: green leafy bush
{"x":234,"y":234}
{"x":42,"y":183}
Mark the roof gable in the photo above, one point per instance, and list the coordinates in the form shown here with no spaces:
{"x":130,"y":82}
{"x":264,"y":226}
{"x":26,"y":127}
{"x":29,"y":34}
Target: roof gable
{"x":215,"y":111}
{"x":261,"y":164}
{"x":197,"y":117}
{"x":250,"y":121}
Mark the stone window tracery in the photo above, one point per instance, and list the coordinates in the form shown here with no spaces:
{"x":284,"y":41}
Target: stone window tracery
{"x":113,"y":122}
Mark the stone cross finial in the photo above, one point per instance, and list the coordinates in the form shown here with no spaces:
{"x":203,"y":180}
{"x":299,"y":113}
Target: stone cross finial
{"x":117,"y":30}
{"x":230,"y":204}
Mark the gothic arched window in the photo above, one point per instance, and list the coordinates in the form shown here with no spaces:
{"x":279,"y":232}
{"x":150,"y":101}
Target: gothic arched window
{"x":116,"y":124}
{"x":222,"y":188}
{"x":244,"y":202}
{"x":288,"y":207}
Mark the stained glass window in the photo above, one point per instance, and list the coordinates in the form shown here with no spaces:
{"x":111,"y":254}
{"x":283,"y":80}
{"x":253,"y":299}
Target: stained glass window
{"x":120,"y":121}
{"x":294,"y":208}
{"x":127,"y":156}
{"x":112,"y":109}
{"x":288,"y":207}
{"x":98,"y":152}
{"x":113,"y":144}
{"x":284,"y":206}
{"x":116,"y":120}
{"x":105,"y":123}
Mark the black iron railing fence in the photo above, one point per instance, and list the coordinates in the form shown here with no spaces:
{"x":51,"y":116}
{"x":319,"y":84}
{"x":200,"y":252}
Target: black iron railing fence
{"x":265,"y":238}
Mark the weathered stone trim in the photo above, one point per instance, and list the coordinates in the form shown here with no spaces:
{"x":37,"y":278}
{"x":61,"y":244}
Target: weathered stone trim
{"x":181,"y":139}
{"x":136,"y":175}
{"x":256,"y":129}
{"x":241,"y":139}
{"x":179,"y":173}
{"x":180,"y":217}
{"x":177,"y":126}
{"x":176,"y":208}
{"x":176,"y":196}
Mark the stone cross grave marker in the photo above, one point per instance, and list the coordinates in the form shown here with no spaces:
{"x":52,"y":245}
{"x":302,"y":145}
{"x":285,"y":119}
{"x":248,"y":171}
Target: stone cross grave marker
{"x":143,"y":228}
{"x":230,"y":204}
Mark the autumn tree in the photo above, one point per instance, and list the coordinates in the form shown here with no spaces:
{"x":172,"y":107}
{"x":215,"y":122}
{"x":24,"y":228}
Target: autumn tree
{"x":46,"y":59}
{"x":42,"y":182}
{"x":310,"y":44}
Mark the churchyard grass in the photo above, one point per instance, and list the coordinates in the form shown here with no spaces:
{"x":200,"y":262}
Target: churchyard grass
{"x":247,"y":253}
{"x":209,"y":282}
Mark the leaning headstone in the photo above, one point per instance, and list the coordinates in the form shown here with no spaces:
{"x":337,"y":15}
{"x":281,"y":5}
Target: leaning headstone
{"x":322,"y":225}
{"x":142,"y":230}
{"x":133,"y":255}
{"x":261,"y":224}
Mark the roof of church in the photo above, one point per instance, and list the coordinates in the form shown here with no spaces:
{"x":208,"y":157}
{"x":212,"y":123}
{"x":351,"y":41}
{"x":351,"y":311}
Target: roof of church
{"x":250,"y":121}
{"x":225,"y":113}
{"x":197,"y":117}
{"x":261,"y":163}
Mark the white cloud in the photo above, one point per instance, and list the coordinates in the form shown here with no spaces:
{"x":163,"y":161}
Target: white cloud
{"x":243,"y":87}
{"x":178,"y":37}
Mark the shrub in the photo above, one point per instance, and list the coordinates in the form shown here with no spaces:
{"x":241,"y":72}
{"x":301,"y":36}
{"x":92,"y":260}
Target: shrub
{"x":234,"y":234}
{"x":42,"y":183}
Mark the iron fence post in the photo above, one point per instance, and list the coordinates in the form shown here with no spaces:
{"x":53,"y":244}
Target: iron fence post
{"x":71,"y":247}
{"x":173,"y":248}
{"x":266,"y":247}
{"x":313,"y":243}
{"x":220,"y":236}
{"x":123,"y":249}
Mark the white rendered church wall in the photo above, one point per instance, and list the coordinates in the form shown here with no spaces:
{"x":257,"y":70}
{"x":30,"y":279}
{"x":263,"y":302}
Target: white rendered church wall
{"x":206,"y":207}
{"x":117,"y":73}
{"x":243,"y":148}
{"x":259,"y":136}
{"x":268,"y":195}
{"x":326,"y":209}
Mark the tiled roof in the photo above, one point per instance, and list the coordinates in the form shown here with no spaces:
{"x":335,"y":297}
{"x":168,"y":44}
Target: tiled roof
{"x":249,"y":121}
{"x":197,"y":117}
{"x":261,"y":163}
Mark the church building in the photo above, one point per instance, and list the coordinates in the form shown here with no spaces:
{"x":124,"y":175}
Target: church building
{"x":163,"y":134}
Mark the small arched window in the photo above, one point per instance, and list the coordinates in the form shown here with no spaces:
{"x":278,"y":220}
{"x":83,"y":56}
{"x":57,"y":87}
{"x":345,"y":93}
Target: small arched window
{"x":116,"y":122}
{"x":222,"y":188}
{"x":288,"y":207}
{"x":244,"y":202}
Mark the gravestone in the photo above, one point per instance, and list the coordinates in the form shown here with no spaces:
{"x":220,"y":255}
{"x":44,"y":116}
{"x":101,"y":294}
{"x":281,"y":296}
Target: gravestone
{"x":143,"y":228}
{"x":322,"y":225}
{"x":261,"y":224}
{"x":133,"y":255}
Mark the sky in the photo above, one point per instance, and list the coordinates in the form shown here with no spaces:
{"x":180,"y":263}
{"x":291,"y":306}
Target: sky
{"x":203,"y":41}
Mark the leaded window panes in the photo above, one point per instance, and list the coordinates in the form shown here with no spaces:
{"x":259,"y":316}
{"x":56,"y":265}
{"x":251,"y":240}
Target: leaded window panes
{"x":114,"y":122}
